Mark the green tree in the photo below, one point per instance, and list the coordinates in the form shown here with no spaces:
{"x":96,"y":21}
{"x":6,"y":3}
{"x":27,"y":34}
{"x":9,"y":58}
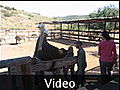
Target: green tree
{"x":92,"y":15}
{"x":106,"y":11}
{"x":7,"y":8}
{"x":1,"y":6}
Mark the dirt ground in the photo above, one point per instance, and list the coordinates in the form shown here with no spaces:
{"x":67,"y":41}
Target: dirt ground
{"x":27,"y":49}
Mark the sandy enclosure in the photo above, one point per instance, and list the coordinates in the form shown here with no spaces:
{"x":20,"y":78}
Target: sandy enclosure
{"x":27,"y":49}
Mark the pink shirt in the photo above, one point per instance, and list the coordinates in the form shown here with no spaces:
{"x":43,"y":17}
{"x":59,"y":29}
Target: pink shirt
{"x":107,"y":51}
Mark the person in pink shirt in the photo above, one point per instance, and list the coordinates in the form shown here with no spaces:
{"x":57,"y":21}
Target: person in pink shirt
{"x":107,"y":53}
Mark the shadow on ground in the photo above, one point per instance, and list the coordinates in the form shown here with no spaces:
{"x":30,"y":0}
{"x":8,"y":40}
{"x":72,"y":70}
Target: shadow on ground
{"x":13,"y":43}
{"x":112,"y":84}
{"x":95,"y":82}
{"x":94,"y":53}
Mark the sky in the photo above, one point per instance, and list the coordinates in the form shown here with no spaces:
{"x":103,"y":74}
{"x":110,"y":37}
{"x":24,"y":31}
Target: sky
{"x":59,"y":8}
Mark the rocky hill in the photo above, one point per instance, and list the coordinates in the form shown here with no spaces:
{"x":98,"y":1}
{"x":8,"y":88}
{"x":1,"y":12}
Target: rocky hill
{"x":12,"y":18}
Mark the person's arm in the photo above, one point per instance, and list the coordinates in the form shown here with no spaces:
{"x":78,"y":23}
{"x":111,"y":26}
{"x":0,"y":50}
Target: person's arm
{"x":82,"y":60}
{"x":114,"y":52}
{"x":99,"y":49}
{"x":81,"y":57}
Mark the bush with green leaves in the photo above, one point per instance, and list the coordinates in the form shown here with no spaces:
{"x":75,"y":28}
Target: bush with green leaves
{"x":34,"y":35}
{"x":7,"y":14}
{"x":106,"y":11}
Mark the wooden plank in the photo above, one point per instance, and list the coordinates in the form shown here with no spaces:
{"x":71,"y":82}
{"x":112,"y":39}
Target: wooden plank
{"x":15,"y":61}
{"x":89,"y":31}
{"x":22,"y":78}
{"x":28,"y":82}
{"x":61,"y":30}
{"x":77,"y":38}
{"x":15,"y":70}
{"x":58,"y":63}
{"x":92,"y":35}
{"x":26,"y":69}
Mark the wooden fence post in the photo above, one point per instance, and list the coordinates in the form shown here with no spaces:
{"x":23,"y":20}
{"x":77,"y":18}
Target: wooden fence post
{"x":61,"y":30}
{"x":27,"y":80}
{"x":21,"y":77}
{"x":16,"y":80}
{"x":78,"y":30}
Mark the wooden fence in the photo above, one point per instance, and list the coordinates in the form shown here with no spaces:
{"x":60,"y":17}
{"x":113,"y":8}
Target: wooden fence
{"x":82,"y":35}
{"x":18,"y":68}
{"x":87,"y":29}
{"x":10,"y":36}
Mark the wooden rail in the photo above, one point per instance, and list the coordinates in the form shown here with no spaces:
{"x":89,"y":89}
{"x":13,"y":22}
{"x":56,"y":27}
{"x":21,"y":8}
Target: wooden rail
{"x":25,"y":65}
{"x":17,"y":68}
{"x":53,"y":64}
{"x":14,"y":61}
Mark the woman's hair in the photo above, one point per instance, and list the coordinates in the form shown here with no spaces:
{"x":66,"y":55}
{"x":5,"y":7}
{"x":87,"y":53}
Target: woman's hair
{"x":106,"y":35}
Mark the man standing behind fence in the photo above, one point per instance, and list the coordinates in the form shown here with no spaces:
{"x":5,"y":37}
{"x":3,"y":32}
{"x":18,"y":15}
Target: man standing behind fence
{"x":81,"y":61}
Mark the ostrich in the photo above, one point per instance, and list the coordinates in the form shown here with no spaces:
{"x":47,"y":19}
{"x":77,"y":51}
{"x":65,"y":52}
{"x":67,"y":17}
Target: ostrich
{"x":19,"y":38}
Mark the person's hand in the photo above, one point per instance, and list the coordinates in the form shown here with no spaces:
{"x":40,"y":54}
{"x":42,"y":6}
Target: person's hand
{"x":115,"y":63}
{"x":60,"y":51}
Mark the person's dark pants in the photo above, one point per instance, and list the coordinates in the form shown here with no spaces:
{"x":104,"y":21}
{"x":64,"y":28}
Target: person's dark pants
{"x":106,"y":68}
{"x":80,"y":80}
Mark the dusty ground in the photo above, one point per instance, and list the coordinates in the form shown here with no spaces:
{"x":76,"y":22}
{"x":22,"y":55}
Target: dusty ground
{"x":27,"y":49}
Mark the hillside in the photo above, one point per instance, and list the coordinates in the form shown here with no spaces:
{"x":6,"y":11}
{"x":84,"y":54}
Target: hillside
{"x":12,"y":18}
{"x":73,"y":17}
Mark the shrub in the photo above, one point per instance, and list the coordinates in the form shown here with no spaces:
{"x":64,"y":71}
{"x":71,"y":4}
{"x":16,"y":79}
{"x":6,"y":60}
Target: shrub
{"x":7,"y":8}
{"x":34,"y":35}
{"x":7,"y":14}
